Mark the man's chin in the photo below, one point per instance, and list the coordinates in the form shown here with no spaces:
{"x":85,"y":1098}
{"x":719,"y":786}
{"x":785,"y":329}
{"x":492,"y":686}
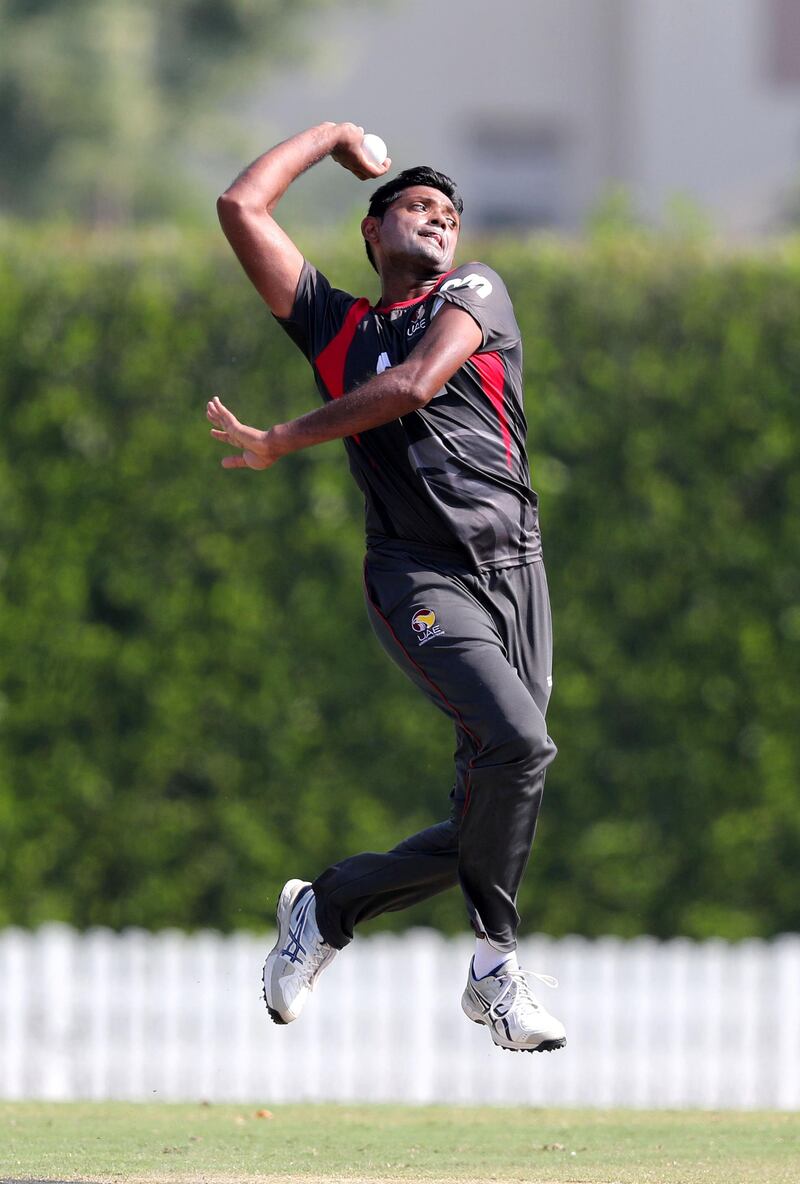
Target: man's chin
{"x":433,"y":259}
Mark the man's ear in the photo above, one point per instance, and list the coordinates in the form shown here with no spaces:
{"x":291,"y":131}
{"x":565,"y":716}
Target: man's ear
{"x":370,"y":229}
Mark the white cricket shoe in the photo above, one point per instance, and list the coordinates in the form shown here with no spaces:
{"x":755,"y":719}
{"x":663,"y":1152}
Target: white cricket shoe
{"x":504,"y":1001}
{"x":298,"y":957}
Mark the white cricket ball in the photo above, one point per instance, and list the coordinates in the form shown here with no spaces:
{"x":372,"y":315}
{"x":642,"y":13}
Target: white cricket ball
{"x":374,"y":148}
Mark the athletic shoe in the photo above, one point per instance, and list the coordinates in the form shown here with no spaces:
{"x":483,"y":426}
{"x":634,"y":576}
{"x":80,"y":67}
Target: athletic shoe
{"x":298,"y":957}
{"x":504,"y":1001}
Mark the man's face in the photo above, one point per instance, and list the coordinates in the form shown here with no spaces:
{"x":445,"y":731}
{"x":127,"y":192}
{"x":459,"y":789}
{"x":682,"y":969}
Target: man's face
{"x":420,"y":226}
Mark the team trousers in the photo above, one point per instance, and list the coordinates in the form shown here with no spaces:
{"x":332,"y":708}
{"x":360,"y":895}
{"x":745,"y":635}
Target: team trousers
{"x":478,"y":644}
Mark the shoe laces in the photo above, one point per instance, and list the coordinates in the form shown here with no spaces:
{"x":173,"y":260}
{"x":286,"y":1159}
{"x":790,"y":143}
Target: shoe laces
{"x":312,"y":961}
{"x":521,"y":993}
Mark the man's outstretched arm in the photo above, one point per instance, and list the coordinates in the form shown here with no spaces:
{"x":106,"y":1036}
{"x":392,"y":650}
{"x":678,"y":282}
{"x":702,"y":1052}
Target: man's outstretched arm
{"x":452,"y":338}
{"x":270,"y":258}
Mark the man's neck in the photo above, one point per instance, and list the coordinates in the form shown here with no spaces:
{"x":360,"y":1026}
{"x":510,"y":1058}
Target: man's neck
{"x":400,"y":287}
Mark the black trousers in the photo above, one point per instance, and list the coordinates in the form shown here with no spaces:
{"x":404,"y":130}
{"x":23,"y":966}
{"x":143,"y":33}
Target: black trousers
{"x":479,"y":646}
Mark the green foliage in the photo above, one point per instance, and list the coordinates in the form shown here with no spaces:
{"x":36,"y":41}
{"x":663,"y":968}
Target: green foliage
{"x":103,"y":103}
{"x":193,"y":705}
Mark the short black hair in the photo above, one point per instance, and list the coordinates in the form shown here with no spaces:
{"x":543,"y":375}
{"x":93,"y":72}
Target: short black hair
{"x":421,"y":174}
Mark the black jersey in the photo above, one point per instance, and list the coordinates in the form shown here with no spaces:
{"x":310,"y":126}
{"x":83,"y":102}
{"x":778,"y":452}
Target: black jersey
{"x":454,"y":474}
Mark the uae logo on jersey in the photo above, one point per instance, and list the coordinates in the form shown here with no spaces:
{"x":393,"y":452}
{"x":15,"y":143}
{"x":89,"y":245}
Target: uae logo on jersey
{"x":417,"y":322}
{"x":425,"y":625}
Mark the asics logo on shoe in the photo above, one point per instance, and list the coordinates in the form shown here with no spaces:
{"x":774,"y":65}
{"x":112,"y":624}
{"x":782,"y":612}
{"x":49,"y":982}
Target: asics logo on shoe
{"x":294,"y":949}
{"x":485,"y":1004}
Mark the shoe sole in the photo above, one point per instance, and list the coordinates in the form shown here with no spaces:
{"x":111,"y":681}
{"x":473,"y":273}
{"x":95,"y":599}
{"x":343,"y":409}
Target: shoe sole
{"x":545,"y":1046}
{"x":286,"y":900}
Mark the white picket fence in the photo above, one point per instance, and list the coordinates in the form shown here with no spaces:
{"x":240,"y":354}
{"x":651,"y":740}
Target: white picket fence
{"x":176,"y":1017}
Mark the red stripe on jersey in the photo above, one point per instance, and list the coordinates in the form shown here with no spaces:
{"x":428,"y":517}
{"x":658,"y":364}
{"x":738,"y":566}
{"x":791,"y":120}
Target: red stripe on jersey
{"x":330,"y":362}
{"x":493,"y":380}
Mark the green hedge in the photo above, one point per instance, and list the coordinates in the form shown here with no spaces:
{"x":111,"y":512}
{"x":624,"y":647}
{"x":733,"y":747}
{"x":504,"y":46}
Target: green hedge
{"x":193,"y":705}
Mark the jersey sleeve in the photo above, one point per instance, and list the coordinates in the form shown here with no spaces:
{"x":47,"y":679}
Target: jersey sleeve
{"x":481,"y":292}
{"x":318,"y":312}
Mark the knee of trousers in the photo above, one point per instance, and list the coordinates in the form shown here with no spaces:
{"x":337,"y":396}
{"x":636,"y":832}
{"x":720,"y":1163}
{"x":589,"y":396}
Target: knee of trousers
{"x":440,"y":839}
{"x":523,"y":744}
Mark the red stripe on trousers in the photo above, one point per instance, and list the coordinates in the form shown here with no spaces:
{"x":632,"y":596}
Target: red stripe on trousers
{"x":493,"y":380}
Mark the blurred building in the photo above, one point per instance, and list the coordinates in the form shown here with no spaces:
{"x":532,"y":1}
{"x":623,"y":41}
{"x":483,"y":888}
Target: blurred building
{"x":537,"y":107}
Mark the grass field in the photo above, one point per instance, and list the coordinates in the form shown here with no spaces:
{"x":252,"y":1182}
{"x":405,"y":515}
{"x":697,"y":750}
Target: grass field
{"x":165,"y":1144}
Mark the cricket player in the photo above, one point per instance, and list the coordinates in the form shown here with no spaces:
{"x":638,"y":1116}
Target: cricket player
{"x":425,"y":390}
